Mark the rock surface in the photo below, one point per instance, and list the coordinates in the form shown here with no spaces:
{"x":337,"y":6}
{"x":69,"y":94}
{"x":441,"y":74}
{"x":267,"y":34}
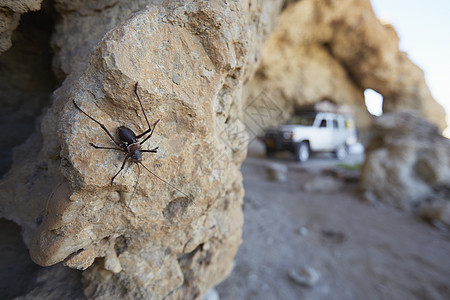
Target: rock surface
{"x":405,"y":160}
{"x":335,"y":50}
{"x":10,"y":12}
{"x":170,"y":233}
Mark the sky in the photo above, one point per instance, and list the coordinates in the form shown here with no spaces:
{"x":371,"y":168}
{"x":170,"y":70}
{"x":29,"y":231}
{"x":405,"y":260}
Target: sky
{"x":424,"y":31}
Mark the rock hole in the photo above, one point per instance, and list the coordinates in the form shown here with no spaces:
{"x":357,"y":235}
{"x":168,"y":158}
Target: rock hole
{"x":374,"y":102}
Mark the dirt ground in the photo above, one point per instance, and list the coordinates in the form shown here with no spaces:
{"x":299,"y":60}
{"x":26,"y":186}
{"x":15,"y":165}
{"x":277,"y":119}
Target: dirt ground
{"x":361,"y":251}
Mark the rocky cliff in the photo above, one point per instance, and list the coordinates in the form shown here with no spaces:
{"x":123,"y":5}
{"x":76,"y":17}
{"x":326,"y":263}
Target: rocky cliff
{"x":168,"y":227}
{"x":335,"y":50}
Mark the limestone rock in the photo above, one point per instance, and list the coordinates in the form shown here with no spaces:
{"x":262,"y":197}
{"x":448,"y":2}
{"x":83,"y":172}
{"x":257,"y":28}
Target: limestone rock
{"x":10,"y":11}
{"x":172,"y":230}
{"x":335,"y":50}
{"x":406,"y":158}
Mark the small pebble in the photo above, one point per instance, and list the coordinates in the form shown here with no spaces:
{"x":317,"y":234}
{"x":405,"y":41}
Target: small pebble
{"x":306,"y":276}
{"x":277,"y":172}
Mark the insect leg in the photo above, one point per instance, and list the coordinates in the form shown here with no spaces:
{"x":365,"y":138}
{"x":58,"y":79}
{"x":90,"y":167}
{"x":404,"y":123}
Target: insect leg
{"x":154,"y":125}
{"x":108,"y":148}
{"x":143,"y":111}
{"x":101,"y":125}
{"x":154,"y":150}
{"x":121,"y":168}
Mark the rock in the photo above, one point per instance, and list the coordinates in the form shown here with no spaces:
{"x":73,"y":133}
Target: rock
{"x":81,"y":260}
{"x":437,"y":211}
{"x":211,"y":294}
{"x":171,"y":232}
{"x":10,"y":12}
{"x":321,"y":184}
{"x":277,"y":172}
{"x":406,"y":158}
{"x":335,"y":50}
{"x":333,"y":236}
{"x":303,"y":231}
{"x":306,"y":276}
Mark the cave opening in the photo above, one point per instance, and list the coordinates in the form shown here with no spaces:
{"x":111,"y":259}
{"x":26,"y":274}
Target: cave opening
{"x":26,"y":80}
{"x":374,"y":102}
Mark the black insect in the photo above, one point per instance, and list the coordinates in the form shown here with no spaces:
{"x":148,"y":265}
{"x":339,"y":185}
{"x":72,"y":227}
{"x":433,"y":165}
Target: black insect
{"x":129,"y":142}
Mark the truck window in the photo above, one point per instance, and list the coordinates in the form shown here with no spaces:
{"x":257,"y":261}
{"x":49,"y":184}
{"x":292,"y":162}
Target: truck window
{"x":335,"y":123}
{"x":323,"y":123}
{"x":305,"y":120}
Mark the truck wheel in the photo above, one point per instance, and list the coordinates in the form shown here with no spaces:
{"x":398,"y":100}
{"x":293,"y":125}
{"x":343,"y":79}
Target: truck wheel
{"x":270,"y":152}
{"x":302,"y":152}
{"x":341,"y":152}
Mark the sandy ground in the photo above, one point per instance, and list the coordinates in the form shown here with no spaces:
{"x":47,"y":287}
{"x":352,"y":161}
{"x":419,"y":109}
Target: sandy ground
{"x":361,"y":251}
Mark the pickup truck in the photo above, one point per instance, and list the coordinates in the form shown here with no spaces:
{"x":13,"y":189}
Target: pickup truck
{"x":312,"y":132}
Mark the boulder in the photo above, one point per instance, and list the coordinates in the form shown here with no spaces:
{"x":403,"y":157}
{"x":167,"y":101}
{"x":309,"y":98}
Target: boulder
{"x":169,"y":229}
{"x":406,"y":159}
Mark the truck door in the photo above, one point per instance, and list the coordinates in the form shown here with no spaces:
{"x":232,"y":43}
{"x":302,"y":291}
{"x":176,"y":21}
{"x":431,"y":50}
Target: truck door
{"x":339,"y":135}
{"x":323,"y":139}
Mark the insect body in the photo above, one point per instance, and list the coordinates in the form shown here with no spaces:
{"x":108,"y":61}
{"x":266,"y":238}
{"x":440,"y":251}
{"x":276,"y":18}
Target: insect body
{"x":128,"y":140}
{"x":129,"y":143}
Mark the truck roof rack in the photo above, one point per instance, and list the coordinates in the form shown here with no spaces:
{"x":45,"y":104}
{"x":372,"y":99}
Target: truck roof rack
{"x":324,"y":106}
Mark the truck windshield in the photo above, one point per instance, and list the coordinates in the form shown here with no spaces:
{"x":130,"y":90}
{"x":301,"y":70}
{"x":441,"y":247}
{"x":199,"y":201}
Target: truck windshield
{"x":306,"y":120}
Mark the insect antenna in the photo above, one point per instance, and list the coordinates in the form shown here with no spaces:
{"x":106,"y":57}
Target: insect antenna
{"x":171,"y":185}
{"x":137,"y":183}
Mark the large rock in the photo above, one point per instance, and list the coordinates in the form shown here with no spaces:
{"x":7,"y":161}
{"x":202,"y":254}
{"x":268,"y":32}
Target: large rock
{"x":170,"y":233}
{"x":405,"y":160}
{"x":335,"y":50}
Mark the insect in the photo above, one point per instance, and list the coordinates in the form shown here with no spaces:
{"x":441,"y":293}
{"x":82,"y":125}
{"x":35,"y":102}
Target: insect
{"x":129,"y":142}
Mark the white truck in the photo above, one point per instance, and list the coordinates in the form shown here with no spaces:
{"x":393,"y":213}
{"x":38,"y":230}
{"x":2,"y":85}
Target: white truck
{"x":308,"y":132}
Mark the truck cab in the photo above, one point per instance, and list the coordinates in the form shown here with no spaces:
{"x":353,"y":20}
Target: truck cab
{"x":308,"y":132}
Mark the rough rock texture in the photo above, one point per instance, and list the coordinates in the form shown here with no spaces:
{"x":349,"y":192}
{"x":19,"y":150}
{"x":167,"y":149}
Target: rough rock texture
{"x":336,"y":50}
{"x":10,"y":11}
{"x":170,"y":235}
{"x":406,"y":160}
